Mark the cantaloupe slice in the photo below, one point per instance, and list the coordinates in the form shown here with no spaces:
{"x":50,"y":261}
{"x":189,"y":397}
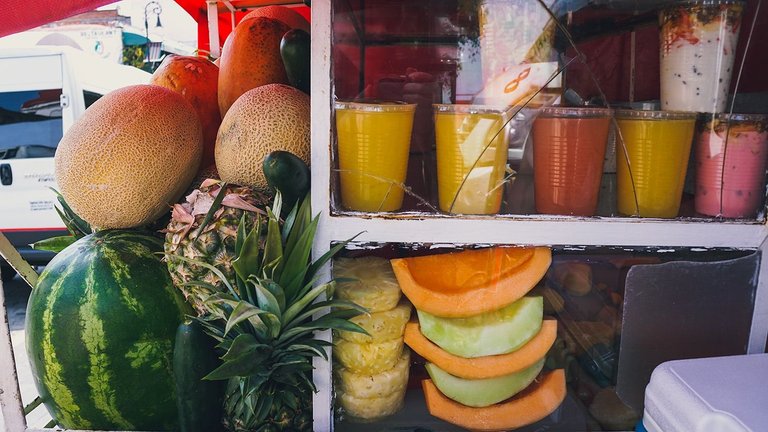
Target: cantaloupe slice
{"x":470,"y":282}
{"x":483,"y":367}
{"x":533,"y":404}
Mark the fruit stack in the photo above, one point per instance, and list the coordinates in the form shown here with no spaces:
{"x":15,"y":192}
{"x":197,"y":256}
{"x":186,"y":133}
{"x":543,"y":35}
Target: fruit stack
{"x":372,"y":370}
{"x":241,"y":259}
{"x":485,"y":342}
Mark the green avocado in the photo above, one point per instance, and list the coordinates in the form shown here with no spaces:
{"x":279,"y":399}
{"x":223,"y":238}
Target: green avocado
{"x":295,"y":51}
{"x":289,"y":174}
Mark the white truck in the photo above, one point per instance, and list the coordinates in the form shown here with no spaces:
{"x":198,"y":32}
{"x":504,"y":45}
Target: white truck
{"x":43,"y":91}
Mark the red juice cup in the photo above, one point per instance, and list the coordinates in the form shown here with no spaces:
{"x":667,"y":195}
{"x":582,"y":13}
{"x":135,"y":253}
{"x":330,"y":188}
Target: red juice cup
{"x":568,"y":152}
{"x":731,"y":154}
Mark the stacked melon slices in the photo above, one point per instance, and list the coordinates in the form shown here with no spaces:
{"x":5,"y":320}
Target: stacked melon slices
{"x":484,"y":341}
{"x":371,"y":373}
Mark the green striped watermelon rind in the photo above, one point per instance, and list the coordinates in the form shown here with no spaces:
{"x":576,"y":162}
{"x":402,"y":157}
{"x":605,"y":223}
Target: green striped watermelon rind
{"x":100,"y":327}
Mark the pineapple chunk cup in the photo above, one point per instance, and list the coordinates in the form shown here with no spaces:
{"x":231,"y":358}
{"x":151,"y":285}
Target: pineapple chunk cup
{"x":371,"y":358}
{"x":366,"y":398}
{"x":377,"y":385}
{"x":367,"y":281}
{"x":381,"y":326}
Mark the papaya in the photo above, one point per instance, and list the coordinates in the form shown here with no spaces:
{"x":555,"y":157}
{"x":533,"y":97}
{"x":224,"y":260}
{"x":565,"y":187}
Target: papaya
{"x":531,"y":405}
{"x":487,"y":366}
{"x":196,"y":79}
{"x":472,"y":282}
{"x":286,"y":15}
{"x":250,"y":58}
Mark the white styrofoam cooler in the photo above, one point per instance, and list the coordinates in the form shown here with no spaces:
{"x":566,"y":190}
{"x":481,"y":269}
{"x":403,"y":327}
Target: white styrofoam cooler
{"x":717,"y":394}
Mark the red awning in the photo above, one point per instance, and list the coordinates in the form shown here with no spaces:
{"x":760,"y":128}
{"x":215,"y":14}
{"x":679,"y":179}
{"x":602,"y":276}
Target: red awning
{"x":20,"y":15}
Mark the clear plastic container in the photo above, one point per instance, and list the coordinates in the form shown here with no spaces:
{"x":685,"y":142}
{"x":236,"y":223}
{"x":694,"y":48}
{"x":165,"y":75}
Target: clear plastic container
{"x":373,"y":145}
{"x":731,"y":153}
{"x":472,"y":143}
{"x":568,"y":152}
{"x":652,"y":154}
{"x":698,"y":47}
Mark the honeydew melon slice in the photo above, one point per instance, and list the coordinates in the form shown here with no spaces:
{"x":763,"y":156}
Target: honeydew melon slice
{"x":483,"y":392}
{"x":490,"y":333}
{"x":529,"y":406}
{"x":487,"y":366}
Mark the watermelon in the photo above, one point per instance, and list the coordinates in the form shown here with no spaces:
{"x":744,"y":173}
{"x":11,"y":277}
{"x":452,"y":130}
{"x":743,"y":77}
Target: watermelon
{"x":100,"y":330}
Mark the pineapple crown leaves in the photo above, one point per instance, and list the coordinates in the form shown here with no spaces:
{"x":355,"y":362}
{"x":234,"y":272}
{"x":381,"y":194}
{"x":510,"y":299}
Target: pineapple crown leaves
{"x":77,"y":227}
{"x":264,"y":322}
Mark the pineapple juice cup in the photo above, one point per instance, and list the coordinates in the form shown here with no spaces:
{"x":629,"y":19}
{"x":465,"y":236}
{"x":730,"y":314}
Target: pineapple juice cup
{"x":657,"y":145}
{"x":374,"y":140}
{"x":731,"y":153}
{"x":472,"y":142}
{"x":698,"y":46}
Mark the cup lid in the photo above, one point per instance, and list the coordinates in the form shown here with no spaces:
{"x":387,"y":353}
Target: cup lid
{"x":469,"y":109}
{"x":580,"y":112}
{"x":629,"y":114}
{"x":374,"y":105}
{"x":688,"y":3}
{"x":735,"y":117}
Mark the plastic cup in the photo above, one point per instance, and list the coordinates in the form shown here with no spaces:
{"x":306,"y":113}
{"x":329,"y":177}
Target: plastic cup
{"x":373,"y":143}
{"x":472,"y":143}
{"x":651,"y":161}
{"x":730,"y":173}
{"x":698,"y":46}
{"x":568,"y":152}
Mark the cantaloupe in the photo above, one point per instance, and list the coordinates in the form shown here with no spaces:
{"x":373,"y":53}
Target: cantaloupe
{"x":129,"y":157}
{"x":501,"y":278}
{"x":533,"y":404}
{"x":250,"y":58}
{"x":196,"y":79}
{"x":487,"y":366}
{"x":267,"y":118}
{"x":286,"y":15}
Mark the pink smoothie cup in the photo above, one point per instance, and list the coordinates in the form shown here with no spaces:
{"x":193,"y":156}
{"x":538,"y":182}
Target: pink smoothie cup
{"x":731,"y":154}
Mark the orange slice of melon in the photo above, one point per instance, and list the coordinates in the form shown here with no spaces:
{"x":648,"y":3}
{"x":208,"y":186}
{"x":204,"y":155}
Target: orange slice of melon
{"x":471,"y":282}
{"x":531,"y":405}
{"x":487,"y":366}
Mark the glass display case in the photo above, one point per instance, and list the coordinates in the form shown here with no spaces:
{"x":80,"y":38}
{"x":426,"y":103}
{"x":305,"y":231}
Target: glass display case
{"x":605,"y":132}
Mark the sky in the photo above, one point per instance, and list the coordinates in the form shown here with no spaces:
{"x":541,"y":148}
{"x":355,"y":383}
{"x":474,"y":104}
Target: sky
{"x":176,"y":23}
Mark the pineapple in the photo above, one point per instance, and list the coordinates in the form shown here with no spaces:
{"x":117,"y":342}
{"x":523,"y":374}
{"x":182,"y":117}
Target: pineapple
{"x":377,"y":385}
{"x":380,"y":326}
{"x":369,"y":358}
{"x":264,"y":321}
{"x":367,"y":281}
{"x":371,"y":409}
{"x":215,"y":245}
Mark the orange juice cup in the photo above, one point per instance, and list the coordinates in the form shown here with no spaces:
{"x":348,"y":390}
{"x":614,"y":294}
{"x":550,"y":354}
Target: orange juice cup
{"x":568,"y":152}
{"x":730,"y":172}
{"x":652,"y":161}
{"x":472,"y":142}
{"x":374,"y":141}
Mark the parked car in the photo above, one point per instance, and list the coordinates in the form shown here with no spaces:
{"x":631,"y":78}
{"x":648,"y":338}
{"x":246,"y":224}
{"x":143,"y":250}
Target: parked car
{"x":43,"y":91}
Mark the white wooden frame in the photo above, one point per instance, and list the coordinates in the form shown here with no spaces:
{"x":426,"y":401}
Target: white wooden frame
{"x":540,"y":230}
{"x":536,"y":229}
